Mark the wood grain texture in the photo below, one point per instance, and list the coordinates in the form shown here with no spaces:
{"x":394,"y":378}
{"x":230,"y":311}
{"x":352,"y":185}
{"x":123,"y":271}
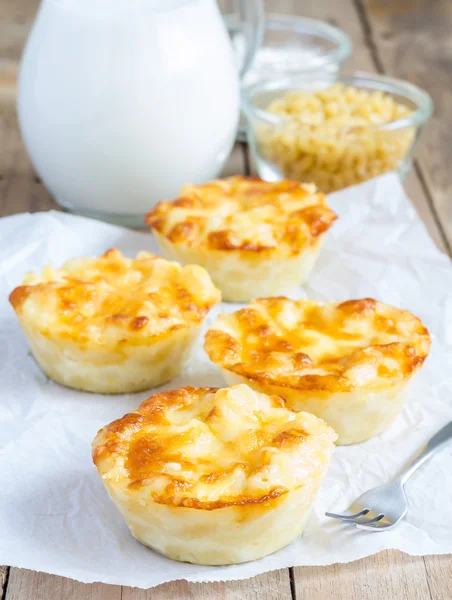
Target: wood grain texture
{"x":439,"y":575}
{"x":16,"y":17}
{"x":412,"y":40}
{"x":270,"y":586}
{"x":30,"y":585}
{"x":20,"y":189}
{"x":4,"y":573}
{"x":387,"y":575}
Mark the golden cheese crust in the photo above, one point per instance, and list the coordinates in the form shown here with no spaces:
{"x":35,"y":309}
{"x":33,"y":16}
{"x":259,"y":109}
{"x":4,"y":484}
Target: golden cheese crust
{"x":209,"y":448}
{"x":318,"y":346}
{"x":245,"y":214}
{"x":114,"y":325}
{"x":114,"y":300}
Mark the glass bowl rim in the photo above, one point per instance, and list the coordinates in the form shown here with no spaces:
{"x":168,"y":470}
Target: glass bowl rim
{"x":298,"y":24}
{"x":374,"y":81}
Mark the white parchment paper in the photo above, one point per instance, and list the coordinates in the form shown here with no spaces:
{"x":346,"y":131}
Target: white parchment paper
{"x":55,"y":515}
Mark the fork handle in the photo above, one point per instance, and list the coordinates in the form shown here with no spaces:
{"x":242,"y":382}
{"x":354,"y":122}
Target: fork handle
{"x":438,"y":441}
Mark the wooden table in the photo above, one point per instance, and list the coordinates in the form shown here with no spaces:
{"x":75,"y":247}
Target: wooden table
{"x":411,"y":39}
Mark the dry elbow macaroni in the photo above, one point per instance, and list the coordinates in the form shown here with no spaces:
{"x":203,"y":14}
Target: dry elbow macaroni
{"x":329,"y":140}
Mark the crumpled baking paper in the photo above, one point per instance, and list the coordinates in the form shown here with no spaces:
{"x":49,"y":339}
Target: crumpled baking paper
{"x":55,"y":515}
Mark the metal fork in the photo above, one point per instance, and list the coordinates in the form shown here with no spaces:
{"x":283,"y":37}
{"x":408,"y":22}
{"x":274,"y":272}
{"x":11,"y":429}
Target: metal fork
{"x":383,"y":507}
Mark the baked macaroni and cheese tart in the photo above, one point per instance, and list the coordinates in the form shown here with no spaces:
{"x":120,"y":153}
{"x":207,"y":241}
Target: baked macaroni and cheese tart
{"x":114,"y":324}
{"x":214,"y":476}
{"x":347,"y":363}
{"x":254,"y":238}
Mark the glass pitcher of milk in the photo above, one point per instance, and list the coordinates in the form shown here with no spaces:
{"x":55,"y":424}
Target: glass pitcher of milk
{"x":121,"y":102}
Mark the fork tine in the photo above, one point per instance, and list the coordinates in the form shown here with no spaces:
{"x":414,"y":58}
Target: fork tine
{"x":370,"y":521}
{"x":347,"y":517}
{"x":379,"y":526}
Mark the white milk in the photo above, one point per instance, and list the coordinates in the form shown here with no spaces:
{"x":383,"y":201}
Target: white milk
{"x":122,"y":102}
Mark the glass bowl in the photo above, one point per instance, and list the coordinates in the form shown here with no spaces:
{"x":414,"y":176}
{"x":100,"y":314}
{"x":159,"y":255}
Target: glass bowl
{"x":291,"y":45}
{"x":308,"y":147}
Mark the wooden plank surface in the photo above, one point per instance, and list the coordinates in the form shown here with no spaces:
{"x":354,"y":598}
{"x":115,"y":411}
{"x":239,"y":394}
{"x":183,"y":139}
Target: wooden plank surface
{"x":271,"y":586}
{"x":382,"y":32}
{"x":4,"y":573}
{"x":412,"y":40}
{"x":29,"y":585}
{"x":20,"y":189}
{"x":387,"y":575}
{"x":439,"y":576}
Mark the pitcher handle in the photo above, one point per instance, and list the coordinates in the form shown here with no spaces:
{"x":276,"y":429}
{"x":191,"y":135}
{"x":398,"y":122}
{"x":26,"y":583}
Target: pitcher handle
{"x":253,"y":16}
